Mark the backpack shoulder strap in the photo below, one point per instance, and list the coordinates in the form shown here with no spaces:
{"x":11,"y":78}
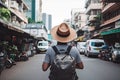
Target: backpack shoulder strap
{"x":55,"y":49}
{"x":68,"y":50}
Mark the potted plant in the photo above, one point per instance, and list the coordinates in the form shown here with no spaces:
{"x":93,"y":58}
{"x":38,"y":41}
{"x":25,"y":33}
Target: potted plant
{"x":5,"y":14}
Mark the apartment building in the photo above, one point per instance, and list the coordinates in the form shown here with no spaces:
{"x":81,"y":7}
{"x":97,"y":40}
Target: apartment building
{"x":17,"y":10}
{"x":110,"y":27}
{"x":13,"y":19}
{"x":35,"y":10}
{"x":75,"y":18}
{"x":47,"y":20}
{"x":93,"y":9}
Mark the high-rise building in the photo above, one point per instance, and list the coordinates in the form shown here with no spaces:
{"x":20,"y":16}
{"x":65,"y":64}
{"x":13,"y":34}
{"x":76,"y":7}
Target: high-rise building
{"x":35,"y":9}
{"x":29,"y":12}
{"x":47,"y":20}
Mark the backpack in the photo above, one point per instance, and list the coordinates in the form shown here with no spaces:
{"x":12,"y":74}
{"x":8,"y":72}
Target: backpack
{"x":63,"y":67}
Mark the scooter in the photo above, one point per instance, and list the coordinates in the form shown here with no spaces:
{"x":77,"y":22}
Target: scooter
{"x":105,"y":54}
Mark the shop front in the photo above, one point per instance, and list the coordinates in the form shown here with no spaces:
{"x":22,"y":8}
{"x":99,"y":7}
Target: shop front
{"x":111,"y":36}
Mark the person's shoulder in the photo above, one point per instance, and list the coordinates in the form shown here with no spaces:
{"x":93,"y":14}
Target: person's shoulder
{"x":50,"y":49}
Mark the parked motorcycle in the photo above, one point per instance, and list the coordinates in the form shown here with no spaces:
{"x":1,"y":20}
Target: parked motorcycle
{"x":105,"y":54}
{"x":24,"y":57}
{"x":21,"y":57}
{"x":5,"y":62}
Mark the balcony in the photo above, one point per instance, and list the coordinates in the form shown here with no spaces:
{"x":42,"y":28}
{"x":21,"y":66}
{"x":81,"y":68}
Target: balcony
{"x":108,"y":7}
{"x":92,"y":18}
{"x":112,"y":20}
{"x":14,"y":4}
{"x":93,"y":6}
{"x":19,"y":14}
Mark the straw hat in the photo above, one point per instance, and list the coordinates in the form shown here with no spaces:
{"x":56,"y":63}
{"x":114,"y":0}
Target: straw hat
{"x":63,"y":33}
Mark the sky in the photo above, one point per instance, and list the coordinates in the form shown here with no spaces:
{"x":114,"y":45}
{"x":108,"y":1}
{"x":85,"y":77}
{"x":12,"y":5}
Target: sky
{"x":61,"y":9}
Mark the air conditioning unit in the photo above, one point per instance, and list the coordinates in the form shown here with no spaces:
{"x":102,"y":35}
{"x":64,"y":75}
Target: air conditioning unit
{"x":14,"y":4}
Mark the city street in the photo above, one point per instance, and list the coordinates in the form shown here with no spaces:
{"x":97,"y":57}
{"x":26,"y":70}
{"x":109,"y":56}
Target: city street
{"x":95,"y":69}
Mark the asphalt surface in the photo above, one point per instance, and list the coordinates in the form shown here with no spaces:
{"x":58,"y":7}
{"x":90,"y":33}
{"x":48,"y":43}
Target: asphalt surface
{"x":95,"y":69}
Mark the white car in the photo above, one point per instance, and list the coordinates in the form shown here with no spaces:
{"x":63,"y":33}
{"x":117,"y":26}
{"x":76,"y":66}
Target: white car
{"x":42,"y":46}
{"x":81,"y":47}
{"x":93,"y":47}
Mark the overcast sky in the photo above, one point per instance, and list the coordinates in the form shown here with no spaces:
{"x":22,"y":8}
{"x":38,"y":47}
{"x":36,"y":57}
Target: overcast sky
{"x":61,"y":9}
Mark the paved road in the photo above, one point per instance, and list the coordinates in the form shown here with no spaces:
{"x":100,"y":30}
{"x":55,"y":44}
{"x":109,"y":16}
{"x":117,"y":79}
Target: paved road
{"x":95,"y":69}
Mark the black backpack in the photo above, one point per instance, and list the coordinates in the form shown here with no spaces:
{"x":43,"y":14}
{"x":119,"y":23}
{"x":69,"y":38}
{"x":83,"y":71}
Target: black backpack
{"x":63,"y":67}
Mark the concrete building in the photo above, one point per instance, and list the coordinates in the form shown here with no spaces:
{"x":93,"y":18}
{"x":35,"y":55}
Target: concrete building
{"x":15,"y":19}
{"x":35,"y":9}
{"x":17,"y":9}
{"x":82,"y":20}
{"x":110,"y":27}
{"x":78,"y":19}
{"x":93,"y":8}
{"x":74,"y":18}
{"x":47,"y":20}
{"x":38,"y":30}
{"x":93,"y":12}
{"x":29,"y":12}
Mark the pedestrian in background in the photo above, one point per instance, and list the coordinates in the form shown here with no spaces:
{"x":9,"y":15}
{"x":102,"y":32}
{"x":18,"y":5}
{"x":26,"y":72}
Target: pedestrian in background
{"x":62,"y":34}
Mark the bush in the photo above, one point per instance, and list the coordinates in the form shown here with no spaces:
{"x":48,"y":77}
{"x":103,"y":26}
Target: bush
{"x":5,"y":14}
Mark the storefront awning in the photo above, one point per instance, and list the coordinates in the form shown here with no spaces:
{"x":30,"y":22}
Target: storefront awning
{"x":112,"y":31}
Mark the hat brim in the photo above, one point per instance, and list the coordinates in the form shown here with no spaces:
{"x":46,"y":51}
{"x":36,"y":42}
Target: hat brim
{"x":71,"y":37}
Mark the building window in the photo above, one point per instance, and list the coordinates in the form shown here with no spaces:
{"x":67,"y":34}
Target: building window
{"x":95,"y":12}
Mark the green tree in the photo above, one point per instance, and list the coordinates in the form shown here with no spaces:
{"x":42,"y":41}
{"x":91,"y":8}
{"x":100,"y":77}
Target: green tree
{"x":30,"y":20}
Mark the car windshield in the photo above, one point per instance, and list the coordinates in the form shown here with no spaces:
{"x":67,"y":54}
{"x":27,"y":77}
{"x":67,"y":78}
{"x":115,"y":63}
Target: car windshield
{"x":42,"y":44}
{"x":97,"y":44}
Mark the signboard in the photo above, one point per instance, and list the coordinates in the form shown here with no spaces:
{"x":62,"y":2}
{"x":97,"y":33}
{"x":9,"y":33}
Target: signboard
{"x":112,"y":31}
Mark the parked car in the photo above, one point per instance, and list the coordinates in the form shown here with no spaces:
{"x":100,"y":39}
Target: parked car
{"x":81,"y":47}
{"x":93,"y":46}
{"x":42,"y":46}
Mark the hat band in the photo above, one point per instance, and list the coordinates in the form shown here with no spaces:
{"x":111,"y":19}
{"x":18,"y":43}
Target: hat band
{"x":61,"y":35}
